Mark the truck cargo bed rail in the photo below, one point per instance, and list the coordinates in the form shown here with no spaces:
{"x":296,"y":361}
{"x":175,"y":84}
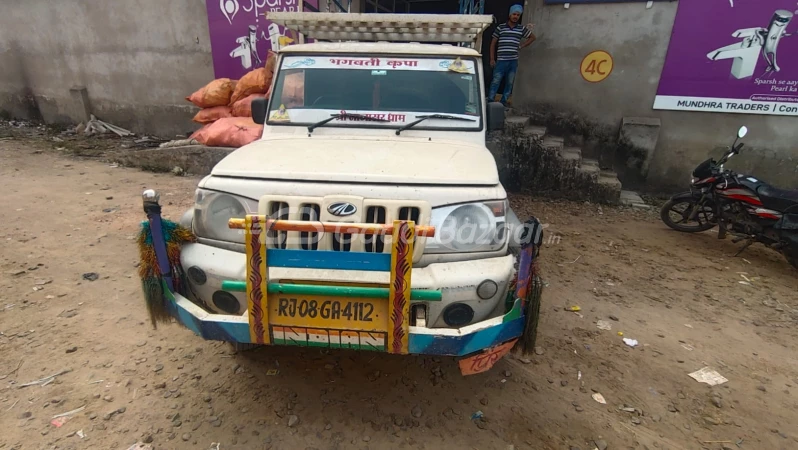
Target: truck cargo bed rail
{"x":450,"y":28}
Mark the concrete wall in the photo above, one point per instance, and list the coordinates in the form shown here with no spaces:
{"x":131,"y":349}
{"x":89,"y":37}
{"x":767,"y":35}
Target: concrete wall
{"x":637,"y":38}
{"x":138,"y":59}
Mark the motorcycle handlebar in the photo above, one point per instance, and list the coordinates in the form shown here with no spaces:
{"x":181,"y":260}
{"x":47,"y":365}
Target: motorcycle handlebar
{"x":729,"y":154}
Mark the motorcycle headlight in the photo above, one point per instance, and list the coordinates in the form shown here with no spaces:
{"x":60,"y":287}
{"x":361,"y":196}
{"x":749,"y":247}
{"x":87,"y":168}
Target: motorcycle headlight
{"x":470,"y":227}
{"x":212,"y":211}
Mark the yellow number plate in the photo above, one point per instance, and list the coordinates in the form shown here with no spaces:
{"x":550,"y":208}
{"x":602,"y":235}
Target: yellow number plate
{"x":336,"y":322}
{"x":329,"y":312}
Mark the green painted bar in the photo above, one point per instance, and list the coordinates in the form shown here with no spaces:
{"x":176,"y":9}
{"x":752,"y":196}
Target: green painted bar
{"x":234,"y":286}
{"x":335,"y":291}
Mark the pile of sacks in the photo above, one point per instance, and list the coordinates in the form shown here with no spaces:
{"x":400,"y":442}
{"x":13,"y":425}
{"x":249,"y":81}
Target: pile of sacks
{"x":227,"y":108}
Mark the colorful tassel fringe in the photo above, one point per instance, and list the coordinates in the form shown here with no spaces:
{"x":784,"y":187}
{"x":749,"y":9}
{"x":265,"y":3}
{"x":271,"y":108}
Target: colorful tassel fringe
{"x":152,"y":283}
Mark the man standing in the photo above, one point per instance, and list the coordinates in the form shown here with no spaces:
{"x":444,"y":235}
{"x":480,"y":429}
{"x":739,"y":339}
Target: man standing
{"x":504,"y":52}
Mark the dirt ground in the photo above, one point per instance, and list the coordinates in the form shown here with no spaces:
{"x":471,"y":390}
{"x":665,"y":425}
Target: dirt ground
{"x":684,"y":298}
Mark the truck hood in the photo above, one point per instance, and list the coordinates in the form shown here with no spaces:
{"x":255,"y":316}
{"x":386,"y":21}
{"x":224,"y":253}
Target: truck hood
{"x":362,"y":160}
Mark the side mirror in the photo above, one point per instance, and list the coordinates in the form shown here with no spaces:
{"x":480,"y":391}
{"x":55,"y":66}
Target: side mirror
{"x":259,"y":110}
{"x":495,"y":116}
{"x":742,"y":132}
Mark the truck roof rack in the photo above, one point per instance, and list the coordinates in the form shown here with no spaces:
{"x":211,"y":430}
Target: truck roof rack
{"x":460,"y":28}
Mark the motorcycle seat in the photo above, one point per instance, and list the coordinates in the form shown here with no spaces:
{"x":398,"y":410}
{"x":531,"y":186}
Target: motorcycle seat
{"x":782,"y":200}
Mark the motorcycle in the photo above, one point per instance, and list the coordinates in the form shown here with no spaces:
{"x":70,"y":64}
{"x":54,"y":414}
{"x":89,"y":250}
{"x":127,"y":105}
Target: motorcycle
{"x":741,"y":205}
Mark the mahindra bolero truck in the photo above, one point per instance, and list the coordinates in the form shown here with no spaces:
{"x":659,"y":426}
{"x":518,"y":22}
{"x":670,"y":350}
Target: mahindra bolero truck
{"x":369,"y":215}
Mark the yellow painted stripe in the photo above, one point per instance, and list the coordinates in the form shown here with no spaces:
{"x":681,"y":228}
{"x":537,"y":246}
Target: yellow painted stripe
{"x":256,"y":293}
{"x":248,"y":237}
{"x":264,"y":287}
{"x":399,"y":297}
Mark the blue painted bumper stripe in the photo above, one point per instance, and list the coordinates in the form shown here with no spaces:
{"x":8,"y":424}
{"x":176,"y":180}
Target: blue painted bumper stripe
{"x":326,"y":259}
{"x":466,"y":344}
{"x":427,"y":344}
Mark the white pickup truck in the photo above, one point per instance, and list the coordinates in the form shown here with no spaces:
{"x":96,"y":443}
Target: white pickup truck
{"x":376,"y":133}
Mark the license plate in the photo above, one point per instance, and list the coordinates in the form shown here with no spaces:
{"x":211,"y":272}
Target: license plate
{"x":335,"y":322}
{"x":329,"y":312}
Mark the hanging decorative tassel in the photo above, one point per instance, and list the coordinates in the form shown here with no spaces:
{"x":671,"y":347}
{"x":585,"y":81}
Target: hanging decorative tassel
{"x":528,"y":285}
{"x":534,"y":297}
{"x":159,"y":242}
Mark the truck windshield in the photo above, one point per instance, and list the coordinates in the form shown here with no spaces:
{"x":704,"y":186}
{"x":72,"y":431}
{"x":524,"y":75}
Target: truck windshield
{"x":398,"y":90}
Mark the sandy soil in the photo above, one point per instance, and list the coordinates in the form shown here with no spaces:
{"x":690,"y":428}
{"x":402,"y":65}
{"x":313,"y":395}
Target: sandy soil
{"x":679,"y":295}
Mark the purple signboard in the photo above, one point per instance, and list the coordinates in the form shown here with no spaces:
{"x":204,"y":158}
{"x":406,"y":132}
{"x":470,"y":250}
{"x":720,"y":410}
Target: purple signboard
{"x":732,"y":56}
{"x":560,"y":2}
{"x":241,"y":36}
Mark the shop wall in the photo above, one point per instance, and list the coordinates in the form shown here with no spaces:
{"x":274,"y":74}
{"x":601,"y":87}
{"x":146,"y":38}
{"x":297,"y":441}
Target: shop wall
{"x":637,"y":37}
{"x":138,"y":60}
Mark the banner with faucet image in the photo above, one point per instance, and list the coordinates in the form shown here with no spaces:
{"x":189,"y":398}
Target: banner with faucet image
{"x":732,"y":56}
{"x":241,"y":36}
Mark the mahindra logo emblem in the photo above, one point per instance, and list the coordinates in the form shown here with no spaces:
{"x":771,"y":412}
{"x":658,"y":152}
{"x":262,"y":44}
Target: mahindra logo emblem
{"x":342,"y":209}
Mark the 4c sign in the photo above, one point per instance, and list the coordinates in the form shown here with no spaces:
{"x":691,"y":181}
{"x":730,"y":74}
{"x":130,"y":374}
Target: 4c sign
{"x":596,"y":66}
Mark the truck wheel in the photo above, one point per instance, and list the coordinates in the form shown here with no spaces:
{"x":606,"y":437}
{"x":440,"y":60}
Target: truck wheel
{"x":532,"y":314}
{"x":792,"y":259}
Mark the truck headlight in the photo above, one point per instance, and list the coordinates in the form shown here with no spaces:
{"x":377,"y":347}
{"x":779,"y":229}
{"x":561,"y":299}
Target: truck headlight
{"x":469,"y":227}
{"x":212,"y":211}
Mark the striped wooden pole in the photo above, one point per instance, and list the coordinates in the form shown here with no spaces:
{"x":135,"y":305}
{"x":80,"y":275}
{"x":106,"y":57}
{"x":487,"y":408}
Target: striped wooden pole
{"x":399,"y":298}
{"x":258,"y":280}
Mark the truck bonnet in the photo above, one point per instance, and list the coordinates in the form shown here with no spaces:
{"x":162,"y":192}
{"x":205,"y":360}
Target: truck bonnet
{"x":362,"y":160}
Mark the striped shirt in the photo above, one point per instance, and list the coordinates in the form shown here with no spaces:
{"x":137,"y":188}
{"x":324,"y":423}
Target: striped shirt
{"x":509,"y":41}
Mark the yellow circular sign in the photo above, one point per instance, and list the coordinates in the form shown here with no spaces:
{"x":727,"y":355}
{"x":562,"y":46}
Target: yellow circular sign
{"x":596,"y":66}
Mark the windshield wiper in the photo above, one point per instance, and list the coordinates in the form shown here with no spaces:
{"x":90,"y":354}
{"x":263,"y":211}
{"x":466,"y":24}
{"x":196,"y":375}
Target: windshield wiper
{"x":343,"y":116}
{"x":431,"y":116}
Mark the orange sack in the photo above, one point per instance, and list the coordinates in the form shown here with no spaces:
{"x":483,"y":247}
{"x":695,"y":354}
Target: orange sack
{"x":243,"y":107}
{"x":201,"y":135}
{"x":229,"y":132}
{"x":215,"y":93}
{"x":257,"y":81}
{"x":209,"y":115}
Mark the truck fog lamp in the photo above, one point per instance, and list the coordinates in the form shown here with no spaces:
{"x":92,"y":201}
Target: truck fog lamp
{"x":227,"y":302}
{"x":197,"y":275}
{"x":458,"y":314}
{"x":487,"y":289}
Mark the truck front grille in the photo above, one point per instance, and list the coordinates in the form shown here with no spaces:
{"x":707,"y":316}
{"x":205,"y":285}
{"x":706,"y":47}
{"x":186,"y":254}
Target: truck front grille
{"x":375,"y":243}
{"x":312,"y":210}
{"x":309,"y":212}
{"x":279,"y":211}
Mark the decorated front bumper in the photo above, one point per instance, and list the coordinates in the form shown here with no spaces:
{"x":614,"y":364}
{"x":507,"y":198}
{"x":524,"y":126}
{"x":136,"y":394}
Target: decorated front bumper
{"x":421,"y":340}
{"x":358,"y":317}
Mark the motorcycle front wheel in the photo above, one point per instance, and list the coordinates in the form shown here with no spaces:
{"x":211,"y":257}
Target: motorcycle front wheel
{"x":676,"y":214}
